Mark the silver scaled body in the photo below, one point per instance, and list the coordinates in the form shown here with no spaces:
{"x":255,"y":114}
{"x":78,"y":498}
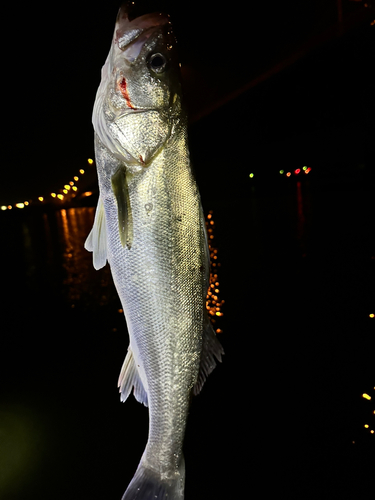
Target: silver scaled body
{"x":149,"y":226}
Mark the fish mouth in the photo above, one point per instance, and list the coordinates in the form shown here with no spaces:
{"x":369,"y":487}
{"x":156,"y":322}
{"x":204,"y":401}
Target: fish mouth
{"x":132,"y":32}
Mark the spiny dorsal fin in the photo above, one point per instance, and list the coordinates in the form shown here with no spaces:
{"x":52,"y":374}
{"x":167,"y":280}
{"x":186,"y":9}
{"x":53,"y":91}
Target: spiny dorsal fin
{"x":121,"y":192}
{"x":211,"y":349}
{"x":96,"y":241}
{"x":129,"y":378}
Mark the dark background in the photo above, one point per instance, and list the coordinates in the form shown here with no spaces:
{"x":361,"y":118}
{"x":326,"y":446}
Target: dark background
{"x":276,"y":87}
{"x":320,"y":108}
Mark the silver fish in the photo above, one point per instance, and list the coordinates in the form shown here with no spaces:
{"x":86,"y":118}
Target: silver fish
{"x":149,"y":225}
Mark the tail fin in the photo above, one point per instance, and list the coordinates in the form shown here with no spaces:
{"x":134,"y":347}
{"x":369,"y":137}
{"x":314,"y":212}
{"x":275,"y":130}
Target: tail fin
{"x":148,"y":485}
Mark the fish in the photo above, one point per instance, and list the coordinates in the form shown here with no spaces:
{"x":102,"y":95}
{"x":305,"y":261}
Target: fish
{"x":150,"y":227}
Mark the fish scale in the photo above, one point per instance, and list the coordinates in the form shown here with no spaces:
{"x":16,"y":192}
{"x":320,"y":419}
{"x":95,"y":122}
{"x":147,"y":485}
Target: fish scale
{"x":163,"y":313}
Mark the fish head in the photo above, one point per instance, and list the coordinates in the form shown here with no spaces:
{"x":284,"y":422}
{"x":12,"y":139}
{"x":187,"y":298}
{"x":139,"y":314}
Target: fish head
{"x":139,"y":97}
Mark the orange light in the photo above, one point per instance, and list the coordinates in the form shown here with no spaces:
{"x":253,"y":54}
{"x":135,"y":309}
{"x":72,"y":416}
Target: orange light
{"x":288,"y":174}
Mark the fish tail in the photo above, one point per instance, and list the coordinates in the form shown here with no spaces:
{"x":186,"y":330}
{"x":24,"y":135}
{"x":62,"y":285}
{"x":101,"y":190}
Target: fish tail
{"x":148,"y":485}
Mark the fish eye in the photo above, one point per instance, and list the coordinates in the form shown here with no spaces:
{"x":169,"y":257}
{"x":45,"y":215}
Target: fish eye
{"x":157,"y":62}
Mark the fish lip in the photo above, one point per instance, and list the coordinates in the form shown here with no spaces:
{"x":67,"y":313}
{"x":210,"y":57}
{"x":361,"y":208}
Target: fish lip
{"x":128,"y":30}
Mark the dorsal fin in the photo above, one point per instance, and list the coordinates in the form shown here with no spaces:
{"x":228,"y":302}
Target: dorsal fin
{"x":211,"y":349}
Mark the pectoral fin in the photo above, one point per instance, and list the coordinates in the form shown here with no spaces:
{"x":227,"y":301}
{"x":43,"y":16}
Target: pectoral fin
{"x":121,"y":192}
{"x":96,"y":242}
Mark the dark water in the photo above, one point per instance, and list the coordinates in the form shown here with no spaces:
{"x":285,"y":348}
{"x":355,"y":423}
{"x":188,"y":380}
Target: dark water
{"x":284,"y":411}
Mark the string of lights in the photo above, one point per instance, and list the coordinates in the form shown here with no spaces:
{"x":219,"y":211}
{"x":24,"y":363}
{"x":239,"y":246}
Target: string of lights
{"x":68,"y":191}
{"x":288,"y":173}
{"x":370,"y":427}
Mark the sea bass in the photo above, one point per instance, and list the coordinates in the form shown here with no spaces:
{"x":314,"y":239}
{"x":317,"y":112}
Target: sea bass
{"x":149,"y":225}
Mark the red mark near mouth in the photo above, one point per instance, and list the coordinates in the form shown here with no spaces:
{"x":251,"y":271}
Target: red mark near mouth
{"x":124,"y":91}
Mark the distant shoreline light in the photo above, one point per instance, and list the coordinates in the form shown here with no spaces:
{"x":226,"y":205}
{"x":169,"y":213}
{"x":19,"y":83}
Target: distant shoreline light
{"x":60,"y":194}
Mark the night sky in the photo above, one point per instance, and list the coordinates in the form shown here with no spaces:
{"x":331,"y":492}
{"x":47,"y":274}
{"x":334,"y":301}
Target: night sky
{"x":52,"y":62}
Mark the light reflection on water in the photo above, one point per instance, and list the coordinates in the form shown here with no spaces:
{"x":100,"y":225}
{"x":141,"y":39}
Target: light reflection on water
{"x":82,"y":284}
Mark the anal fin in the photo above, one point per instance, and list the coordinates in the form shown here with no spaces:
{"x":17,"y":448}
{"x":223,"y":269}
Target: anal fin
{"x":129,"y":378}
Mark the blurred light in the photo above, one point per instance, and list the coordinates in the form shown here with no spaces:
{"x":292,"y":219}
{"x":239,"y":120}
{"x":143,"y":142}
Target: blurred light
{"x":65,"y":191}
{"x":372,"y":432}
{"x":81,"y":171}
{"x":26,"y":203}
{"x":372,"y":315}
{"x":297,"y":171}
{"x":251,"y":175}
{"x":74,"y":188}
{"x":304,"y":168}
{"x":281,"y":172}
{"x":71,"y":183}
{"x":366,"y":396}
{"x":53,"y":195}
{"x":41,"y":198}
{"x":20,"y":205}
{"x":10,"y":207}
{"x":288,"y":174}
{"x":60,"y":196}
{"x":307,"y":170}
{"x":87,"y":193}
{"x":3,"y":207}
{"x":76,"y":178}
{"x":67,"y":186}
{"x":366,"y":426}
{"x":90,"y":161}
